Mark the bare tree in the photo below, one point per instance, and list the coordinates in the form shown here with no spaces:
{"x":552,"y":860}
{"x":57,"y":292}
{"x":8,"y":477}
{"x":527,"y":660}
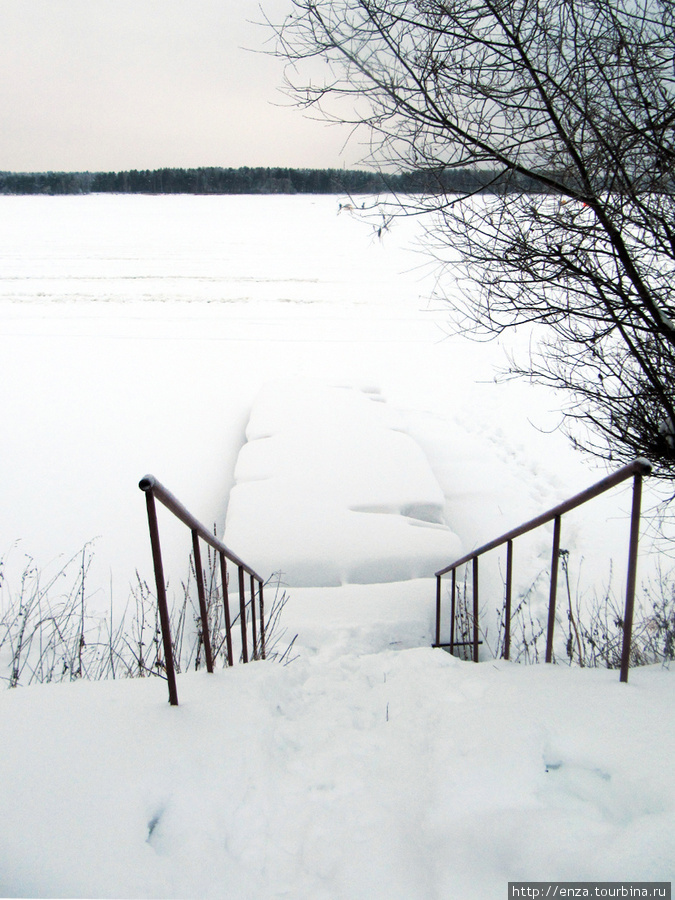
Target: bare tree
{"x":568,"y":107}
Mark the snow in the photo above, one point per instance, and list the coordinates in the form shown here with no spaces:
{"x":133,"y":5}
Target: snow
{"x":273,"y":350}
{"x":138,"y":331}
{"x":329,"y":489}
{"x":395,"y":773}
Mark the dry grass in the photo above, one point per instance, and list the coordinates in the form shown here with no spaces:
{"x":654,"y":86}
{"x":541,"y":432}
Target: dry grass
{"x":49,"y":634}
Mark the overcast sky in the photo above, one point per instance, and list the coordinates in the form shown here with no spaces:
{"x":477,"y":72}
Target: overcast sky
{"x":105,"y":85}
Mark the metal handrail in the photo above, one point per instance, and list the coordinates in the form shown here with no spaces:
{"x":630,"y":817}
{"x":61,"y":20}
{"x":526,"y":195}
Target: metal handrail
{"x":635,"y":470}
{"x":155,"y":489}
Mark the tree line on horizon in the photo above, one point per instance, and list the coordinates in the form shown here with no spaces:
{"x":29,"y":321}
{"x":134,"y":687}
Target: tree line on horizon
{"x":258,"y":180}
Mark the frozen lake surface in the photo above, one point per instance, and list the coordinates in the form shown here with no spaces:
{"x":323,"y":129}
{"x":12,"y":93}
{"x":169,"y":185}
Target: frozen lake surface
{"x":136,"y":332}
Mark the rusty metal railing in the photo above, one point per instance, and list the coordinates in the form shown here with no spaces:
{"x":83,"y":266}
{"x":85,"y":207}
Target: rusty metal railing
{"x":635,"y":470}
{"x":154,"y":489}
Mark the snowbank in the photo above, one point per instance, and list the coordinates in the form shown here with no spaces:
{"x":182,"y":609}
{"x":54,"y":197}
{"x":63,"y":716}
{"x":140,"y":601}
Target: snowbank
{"x":329,"y":490}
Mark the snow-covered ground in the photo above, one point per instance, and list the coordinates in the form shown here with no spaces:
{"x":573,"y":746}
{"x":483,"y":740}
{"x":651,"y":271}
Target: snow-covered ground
{"x":393,"y":774}
{"x":203,"y":339}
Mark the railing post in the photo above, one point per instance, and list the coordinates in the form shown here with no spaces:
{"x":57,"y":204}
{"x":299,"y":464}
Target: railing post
{"x":438,"y":611}
{"x":475,"y":609}
{"x":507,"y":602}
{"x":242,"y":615}
{"x":161,"y":597}
{"x":555,"y":558}
{"x":631,"y":576}
{"x":202,"y":601}
{"x":226,"y":605}
{"x":453,"y":610}
{"x":254,"y":624}
{"x":262,"y":622}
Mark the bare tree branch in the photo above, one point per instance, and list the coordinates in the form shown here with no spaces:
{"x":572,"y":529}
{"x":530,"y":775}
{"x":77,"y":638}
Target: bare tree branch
{"x":570,"y":105}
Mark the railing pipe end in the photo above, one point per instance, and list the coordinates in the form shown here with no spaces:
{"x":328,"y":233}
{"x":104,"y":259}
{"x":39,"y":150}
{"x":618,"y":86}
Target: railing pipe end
{"x":147,"y":483}
{"x":643,"y":466}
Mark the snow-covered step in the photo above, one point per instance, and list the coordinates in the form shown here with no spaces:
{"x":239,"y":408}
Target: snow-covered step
{"x":329,"y":490}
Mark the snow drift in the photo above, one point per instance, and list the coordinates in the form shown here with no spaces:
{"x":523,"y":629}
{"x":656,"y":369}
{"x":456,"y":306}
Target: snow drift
{"x":330,"y":490}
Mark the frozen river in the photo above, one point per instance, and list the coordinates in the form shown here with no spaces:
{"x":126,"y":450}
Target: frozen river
{"x":136,"y":331}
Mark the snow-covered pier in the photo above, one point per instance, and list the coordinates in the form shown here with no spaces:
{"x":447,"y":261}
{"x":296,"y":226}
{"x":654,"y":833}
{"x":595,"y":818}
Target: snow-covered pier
{"x":331,"y":490}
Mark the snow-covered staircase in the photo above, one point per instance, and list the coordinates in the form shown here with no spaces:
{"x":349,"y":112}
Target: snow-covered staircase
{"x":331,"y":490}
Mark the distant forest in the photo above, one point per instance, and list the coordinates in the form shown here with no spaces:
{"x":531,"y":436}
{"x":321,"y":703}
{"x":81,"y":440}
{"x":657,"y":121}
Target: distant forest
{"x":247,"y":180}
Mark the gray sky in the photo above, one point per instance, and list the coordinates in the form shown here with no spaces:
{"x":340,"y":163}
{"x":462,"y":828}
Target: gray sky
{"x":105,"y":85}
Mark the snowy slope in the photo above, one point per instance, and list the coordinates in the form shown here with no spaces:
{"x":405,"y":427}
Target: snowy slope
{"x":389,"y":774}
